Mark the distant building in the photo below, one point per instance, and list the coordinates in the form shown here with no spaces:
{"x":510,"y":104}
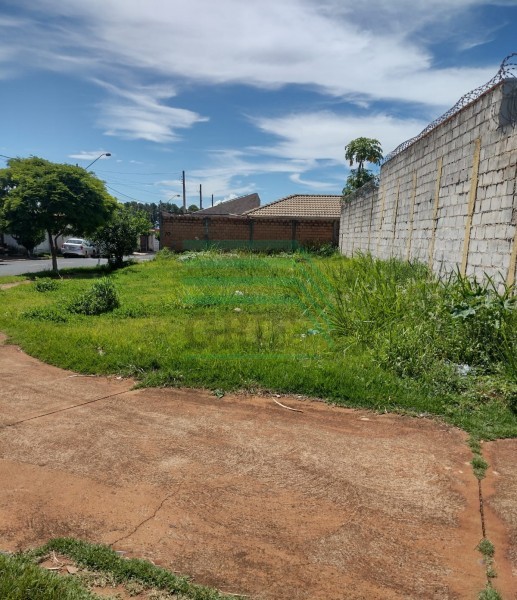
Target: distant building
{"x":236,"y":206}
{"x":297,"y":221}
{"x":301,"y":205}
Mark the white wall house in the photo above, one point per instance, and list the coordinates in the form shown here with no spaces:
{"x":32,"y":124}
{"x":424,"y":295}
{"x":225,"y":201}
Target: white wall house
{"x":43,"y":248}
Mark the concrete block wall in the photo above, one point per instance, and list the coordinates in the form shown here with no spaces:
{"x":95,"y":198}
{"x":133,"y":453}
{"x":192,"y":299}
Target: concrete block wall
{"x":184,"y":232}
{"x":449,"y":199}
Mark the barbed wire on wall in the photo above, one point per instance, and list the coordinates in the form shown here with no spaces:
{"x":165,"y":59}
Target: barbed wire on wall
{"x":505,"y":116}
{"x":507,"y":70}
{"x":364,"y":190}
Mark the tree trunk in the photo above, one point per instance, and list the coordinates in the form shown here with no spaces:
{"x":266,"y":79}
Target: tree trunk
{"x":53,"y":251}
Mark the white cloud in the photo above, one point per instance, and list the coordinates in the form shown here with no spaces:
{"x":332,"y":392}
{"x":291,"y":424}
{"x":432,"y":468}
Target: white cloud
{"x":307,"y":143}
{"x":324,"y":135}
{"x":139,"y":113}
{"x":231,"y":172}
{"x":338,"y":47}
{"x":89,"y":155}
{"x":317,"y":185}
{"x":143,"y":55}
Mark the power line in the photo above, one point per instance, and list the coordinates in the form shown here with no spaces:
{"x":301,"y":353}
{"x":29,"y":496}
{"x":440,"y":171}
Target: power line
{"x":139,"y":190}
{"x":134,"y":187}
{"x":122,"y":193}
{"x":132,"y":181}
{"x":135,"y":173}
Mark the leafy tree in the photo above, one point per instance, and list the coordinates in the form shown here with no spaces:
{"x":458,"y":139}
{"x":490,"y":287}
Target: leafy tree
{"x":119,"y":236}
{"x":359,"y":151}
{"x":356,"y":180}
{"x":59,"y":199}
{"x":363,"y":150}
{"x":25,"y":230}
{"x":153,"y":210}
{"x":192,"y":208}
{"x":171,"y":208}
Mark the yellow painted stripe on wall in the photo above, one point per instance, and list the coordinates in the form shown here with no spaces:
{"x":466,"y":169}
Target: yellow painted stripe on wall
{"x":411,"y":218}
{"x":474,"y":178}
{"x":381,"y":220}
{"x":435,"y":210}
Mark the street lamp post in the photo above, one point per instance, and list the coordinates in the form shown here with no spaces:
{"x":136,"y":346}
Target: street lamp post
{"x":160,"y":220}
{"x":100,"y":156}
{"x":169,"y":199}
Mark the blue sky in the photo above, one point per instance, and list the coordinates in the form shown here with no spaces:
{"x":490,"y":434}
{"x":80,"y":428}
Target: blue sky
{"x":243,"y":96}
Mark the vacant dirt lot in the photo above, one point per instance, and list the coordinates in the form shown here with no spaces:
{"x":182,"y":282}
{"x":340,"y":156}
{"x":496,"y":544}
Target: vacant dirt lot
{"x":245,"y":495}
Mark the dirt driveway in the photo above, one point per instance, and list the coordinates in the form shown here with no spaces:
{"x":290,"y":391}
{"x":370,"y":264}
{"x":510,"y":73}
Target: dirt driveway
{"x":245,"y":495}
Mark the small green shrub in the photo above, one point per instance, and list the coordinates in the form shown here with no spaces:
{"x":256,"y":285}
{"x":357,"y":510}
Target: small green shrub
{"x":493,"y":388}
{"x":164,"y":254}
{"x":479,"y":465}
{"x":131,"y":312}
{"x":486,"y":547}
{"x":50,"y":314}
{"x":327,"y":249}
{"x":101,"y":298}
{"x":46,"y":285}
{"x":489,"y":594}
{"x":485,"y":315}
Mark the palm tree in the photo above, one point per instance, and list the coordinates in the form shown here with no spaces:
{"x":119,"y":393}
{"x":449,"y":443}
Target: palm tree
{"x":359,"y":151}
{"x":363,"y":150}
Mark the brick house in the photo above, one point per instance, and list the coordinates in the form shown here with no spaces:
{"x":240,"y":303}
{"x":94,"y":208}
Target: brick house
{"x":287,"y":224}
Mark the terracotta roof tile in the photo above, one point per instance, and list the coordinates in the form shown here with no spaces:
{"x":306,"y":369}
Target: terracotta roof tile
{"x":301,"y":205}
{"x":235,"y":206}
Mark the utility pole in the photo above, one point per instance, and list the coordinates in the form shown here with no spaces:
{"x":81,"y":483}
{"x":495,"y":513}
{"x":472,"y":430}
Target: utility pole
{"x":200,"y":197}
{"x":212,"y":199}
{"x":184,"y":192}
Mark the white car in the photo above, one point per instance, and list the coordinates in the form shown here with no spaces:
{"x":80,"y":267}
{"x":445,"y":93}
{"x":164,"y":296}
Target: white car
{"x":78,"y":247}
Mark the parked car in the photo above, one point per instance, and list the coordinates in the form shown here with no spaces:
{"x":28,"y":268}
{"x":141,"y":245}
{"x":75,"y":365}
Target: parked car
{"x":78,"y":247}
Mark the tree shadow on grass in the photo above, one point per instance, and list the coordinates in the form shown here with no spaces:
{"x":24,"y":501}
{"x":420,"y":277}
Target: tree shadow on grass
{"x":79,"y":272}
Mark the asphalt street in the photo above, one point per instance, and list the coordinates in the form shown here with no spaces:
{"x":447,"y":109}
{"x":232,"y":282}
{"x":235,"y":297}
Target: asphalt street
{"x":19,"y":266}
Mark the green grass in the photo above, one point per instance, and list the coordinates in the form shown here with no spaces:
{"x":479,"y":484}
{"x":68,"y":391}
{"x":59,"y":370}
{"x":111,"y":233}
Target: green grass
{"x":489,"y":594}
{"x":358,"y":332}
{"x":12,"y":278}
{"x":22,"y":579}
{"x":486,"y":548}
{"x":479,"y":466}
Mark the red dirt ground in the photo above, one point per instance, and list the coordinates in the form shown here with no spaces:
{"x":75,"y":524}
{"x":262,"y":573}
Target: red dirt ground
{"x":244,"y":495}
{"x":500,"y":492}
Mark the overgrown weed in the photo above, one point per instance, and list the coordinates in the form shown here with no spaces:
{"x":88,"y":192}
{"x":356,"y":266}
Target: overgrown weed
{"x":384,"y":335}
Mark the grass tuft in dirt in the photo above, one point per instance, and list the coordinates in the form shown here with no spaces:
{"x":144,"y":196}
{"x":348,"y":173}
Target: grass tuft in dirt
{"x":21,"y":579}
{"x":486,"y":548}
{"x":103,"y":559}
{"x":489,"y":593}
{"x":479,"y":466}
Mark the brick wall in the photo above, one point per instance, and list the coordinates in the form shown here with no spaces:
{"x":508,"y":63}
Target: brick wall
{"x":185,"y":232}
{"x":449,"y":199}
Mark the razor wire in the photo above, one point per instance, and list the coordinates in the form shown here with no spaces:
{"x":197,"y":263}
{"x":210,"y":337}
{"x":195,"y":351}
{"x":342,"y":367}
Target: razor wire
{"x":365,"y":190}
{"x":507,"y":70}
